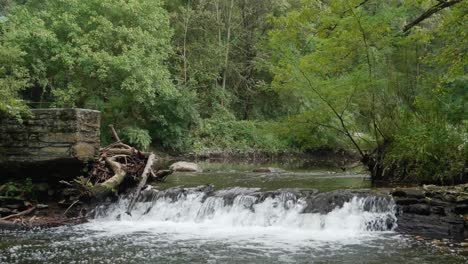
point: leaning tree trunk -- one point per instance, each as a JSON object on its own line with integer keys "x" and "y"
{"x": 144, "y": 178}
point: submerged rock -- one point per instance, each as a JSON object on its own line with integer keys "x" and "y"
{"x": 176, "y": 193}
{"x": 184, "y": 166}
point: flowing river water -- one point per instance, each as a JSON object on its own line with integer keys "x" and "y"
{"x": 244, "y": 219}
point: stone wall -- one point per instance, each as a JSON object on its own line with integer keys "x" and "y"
{"x": 49, "y": 137}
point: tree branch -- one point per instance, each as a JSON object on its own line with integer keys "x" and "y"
{"x": 144, "y": 178}
{"x": 335, "y": 112}
{"x": 114, "y": 134}
{"x": 434, "y": 9}
{"x": 25, "y": 212}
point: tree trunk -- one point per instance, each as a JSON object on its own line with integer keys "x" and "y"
{"x": 228, "y": 42}
{"x": 186, "y": 24}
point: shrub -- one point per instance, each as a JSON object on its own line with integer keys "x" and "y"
{"x": 229, "y": 135}
{"x": 430, "y": 152}
{"x": 137, "y": 137}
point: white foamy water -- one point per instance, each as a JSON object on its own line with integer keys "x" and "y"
{"x": 227, "y": 227}
{"x": 273, "y": 220}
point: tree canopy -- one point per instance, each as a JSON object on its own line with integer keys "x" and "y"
{"x": 374, "y": 77}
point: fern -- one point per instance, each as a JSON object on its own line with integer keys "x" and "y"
{"x": 137, "y": 137}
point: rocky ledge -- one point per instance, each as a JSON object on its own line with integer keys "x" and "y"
{"x": 432, "y": 212}
{"x": 435, "y": 212}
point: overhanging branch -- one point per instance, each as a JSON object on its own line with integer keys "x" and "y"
{"x": 442, "y": 4}
{"x": 335, "y": 112}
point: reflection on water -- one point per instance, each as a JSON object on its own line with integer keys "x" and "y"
{"x": 226, "y": 175}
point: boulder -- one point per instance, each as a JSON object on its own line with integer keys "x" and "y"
{"x": 185, "y": 167}
{"x": 268, "y": 170}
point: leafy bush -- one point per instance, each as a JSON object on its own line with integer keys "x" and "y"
{"x": 18, "y": 189}
{"x": 168, "y": 123}
{"x": 310, "y": 131}
{"x": 430, "y": 151}
{"x": 224, "y": 133}
{"x": 137, "y": 137}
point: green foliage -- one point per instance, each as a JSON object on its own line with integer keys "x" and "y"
{"x": 306, "y": 132}
{"x": 168, "y": 125}
{"x": 137, "y": 137}
{"x": 23, "y": 189}
{"x": 13, "y": 79}
{"x": 356, "y": 75}
{"x": 218, "y": 56}
{"x": 74, "y": 53}
{"x": 267, "y": 75}
{"x": 107, "y": 55}
{"x": 430, "y": 151}
{"x": 225, "y": 134}
{"x": 171, "y": 126}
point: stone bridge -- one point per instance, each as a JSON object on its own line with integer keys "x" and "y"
{"x": 51, "y": 142}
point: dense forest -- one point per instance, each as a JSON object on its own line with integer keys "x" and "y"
{"x": 386, "y": 80}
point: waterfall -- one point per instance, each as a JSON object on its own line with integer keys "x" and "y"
{"x": 287, "y": 209}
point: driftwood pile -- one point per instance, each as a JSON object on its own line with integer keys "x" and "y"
{"x": 118, "y": 167}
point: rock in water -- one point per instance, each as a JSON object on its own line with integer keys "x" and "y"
{"x": 185, "y": 166}
{"x": 268, "y": 170}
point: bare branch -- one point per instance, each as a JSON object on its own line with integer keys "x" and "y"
{"x": 335, "y": 112}
{"x": 144, "y": 178}
{"x": 25, "y": 212}
{"x": 114, "y": 133}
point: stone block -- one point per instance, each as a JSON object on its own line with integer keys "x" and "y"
{"x": 83, "y": 151}
{"x": 51, "y": 134}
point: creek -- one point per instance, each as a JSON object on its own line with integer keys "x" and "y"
{"x": 246, "y": 218}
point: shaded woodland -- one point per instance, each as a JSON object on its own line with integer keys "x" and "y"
{"x": 386, "y": 80}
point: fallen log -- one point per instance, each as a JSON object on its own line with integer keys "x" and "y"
{"x": 132, "y": 151}
{"x": 111, "y": 185}
{"x": 25, "y": 212}
{"x": 144, "y": 178}
{"x": 118, "y": 167}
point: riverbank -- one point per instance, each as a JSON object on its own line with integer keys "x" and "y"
{"x": 50, "y": 214}
{"x": 431, "y": 211}
{"x": 318, "y": 157}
